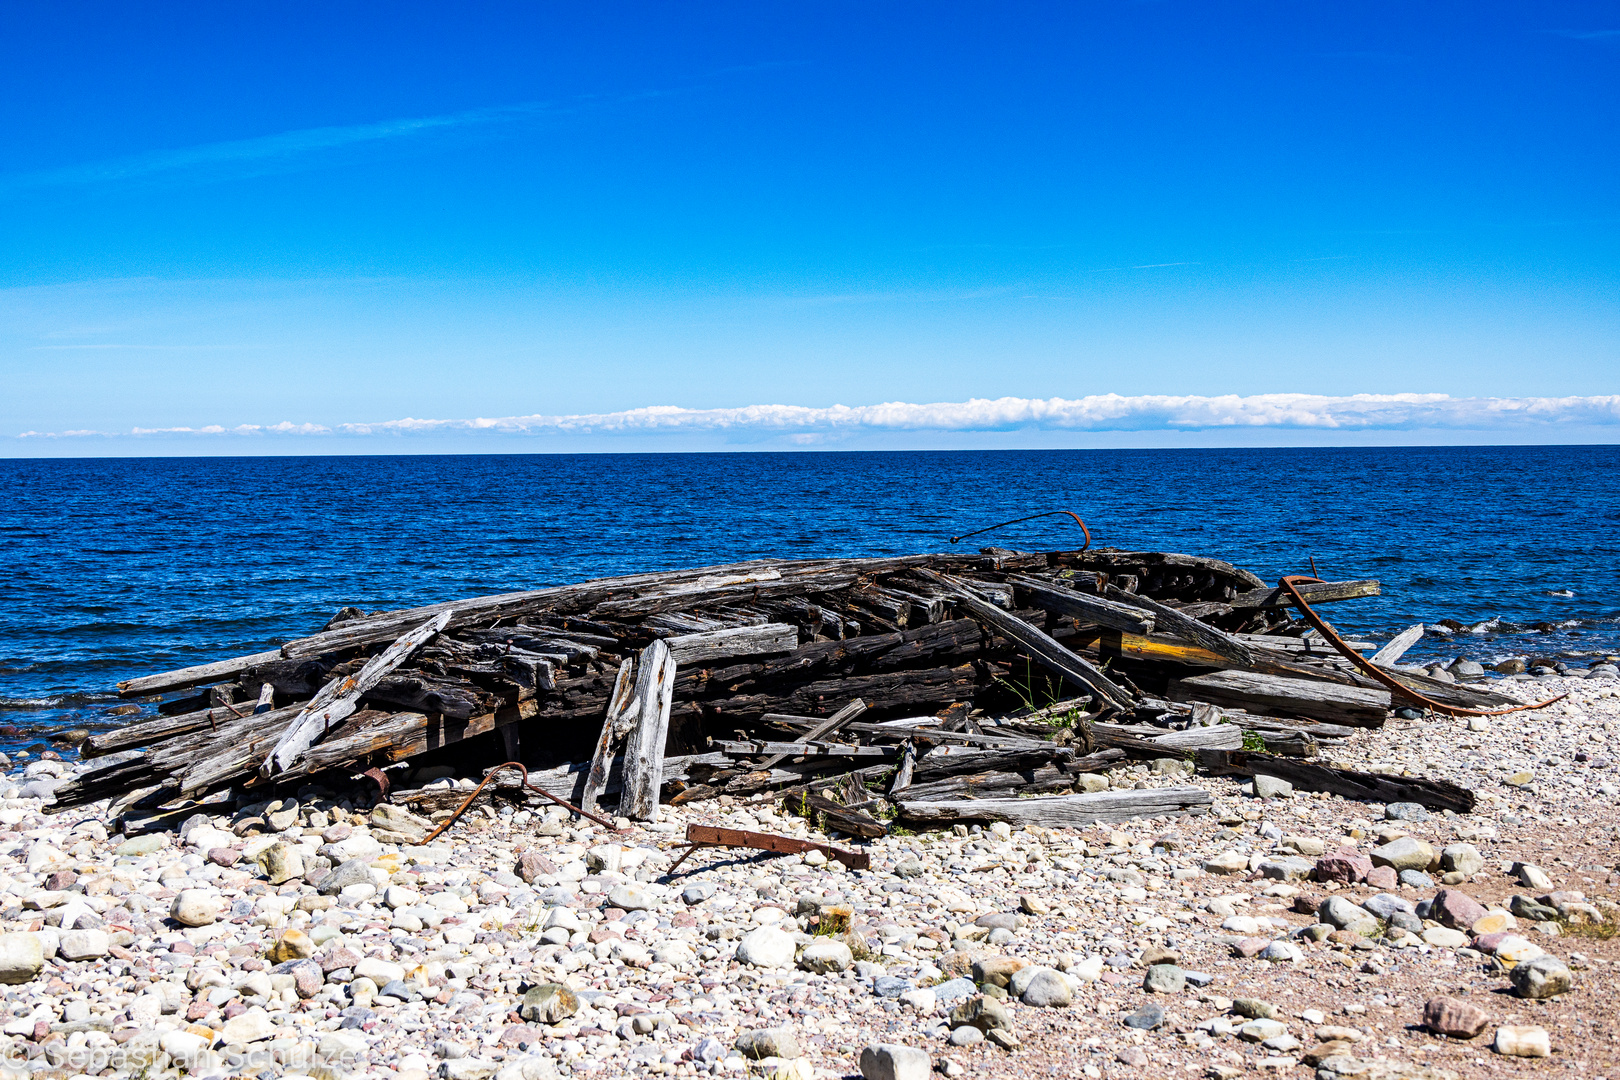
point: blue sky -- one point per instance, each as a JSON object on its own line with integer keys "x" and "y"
{"x": 1236, "y": 218}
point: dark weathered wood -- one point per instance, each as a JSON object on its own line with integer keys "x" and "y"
{"x": 1087, "y": 608}
{"x": 150, "y": 732}
{"x": 1167, "y": 620}
{"x": 1361, "y": 786}
{"x": 341, "y": 696}
{"x": 1323, "y": 593}
{"x": 1043, "y": 649}
{"x": 1064, "y": 811}
{"x": 1355, "y": 706}
{"x": 644, "y": 752}
{"x": 415, "y": 691}
{"x": 845, "y": 820}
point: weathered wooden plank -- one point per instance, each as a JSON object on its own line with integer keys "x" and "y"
{"x": 1167, "y": 620}
{"x": 1397, "y": 646}
{"x": 771, "y": 638}
{"x": 755, "y": 747}
{"x": 1043, "y": 649}
{"x": 200, "y": 675}
{"x": 826, "y": 727}
{"x": 150, "y": 732}
{"x": 1357, "y": 706}
{"x": 644, "y": 752}
{"x": 614, "y": 727}
{"x": 1088, "y": 608}
{"x": 1323, "y": 593}
{"x": 1361, "y": 786}
{"x": 1064, "y": 811}
{"x": 340, "y": 697}
{"x": 1219, "y": 736}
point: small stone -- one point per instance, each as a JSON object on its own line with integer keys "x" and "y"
{"x": 630, "y": 898}
{"x": 1533, "y": 877}
{"x": 996, "y": 970}
{"x": 984, "y": 1013}
{"x": 281, "y": 863}
{"x": 1463, "y": 859}
{"x": 249, "y": 1026}
{"x": 150, "y": 844}
{"x": 195, "y": 907}
{"x": 1493, "y": 922}
{"x": 1287, "y": 869}
{"x": 532, "y": 865}
{"x": 1456, "y": 909}
{"x": 1262, "y": 1029}
{"x": 826, "y": 955}
{"x": 83, "y": 945}
{"x": 548, "y": 1003}
{"x": 22, "y": 957}
{"x": 1454, "y": 1018}
{"x": 1404, "y": 853}
{"x": 1344, "y": 867}
{"x": 766, "y": 947}
{"x": 1444, "y": 937}
{"x": 1164, "y": 979}
{"x": 890, "y": 1061}
{"x": 1415, "y": 879}
{"x": 1270, "y": 787}
{"x": 1227, "y": 863}
{"x": 356, "y": 871}
{"x": 291, "y": 944}
{"x": 1523, "y": 1041}
{"x": 1538, "y": 979}
{"x": 1254, "y": 1009}
{"x": 777, "y": 1042}
{"x": 1146, "y": 1018}
{"x": 1032, "y": 905}
{"x": 1383, "y": 877}
{"x": 966, "y": 1035}
{"x": 1047, "y": 990}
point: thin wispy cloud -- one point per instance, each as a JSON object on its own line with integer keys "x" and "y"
{"x": 1101, "y": 412}
{"x": 267, "y": 150}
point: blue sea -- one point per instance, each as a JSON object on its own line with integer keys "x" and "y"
{"x": 121, "y": 567}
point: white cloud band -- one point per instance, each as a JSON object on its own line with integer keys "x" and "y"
{"x": 1102, "y": 412}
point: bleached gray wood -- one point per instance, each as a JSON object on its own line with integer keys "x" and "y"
{"x": 340, "y": 697}
{"x": 904, "y": 771}
{"x": 1214, "y": 737}
{"x": 750, "y": 748}
{"x": 620, "y": 705}
{"x": 1334, "y": 703}
{"x": 218, "y": 671}
{"x": 267, "y": 698}
{"x": 1322, "y": 593}
{"x": 1064, "y": 811}
{"x": 1392, "y": 652}
{"x": 692, "y": 649}
{"x": 644, "y": 753}
{"x": 823, "y": 729}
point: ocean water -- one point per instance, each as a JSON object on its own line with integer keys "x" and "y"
{"x": 121, "y": 567}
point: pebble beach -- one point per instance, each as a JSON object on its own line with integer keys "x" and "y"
{"x": 1287, "y": 933}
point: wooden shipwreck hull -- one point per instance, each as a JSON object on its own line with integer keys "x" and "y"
{"x": 691, "y": 683}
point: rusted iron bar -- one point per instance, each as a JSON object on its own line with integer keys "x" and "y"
{"x": 699, "y": 836}
{"x": 1291, "y": 583}
{"x": 537, "y": 789}
{"x": 1032, "y": 517}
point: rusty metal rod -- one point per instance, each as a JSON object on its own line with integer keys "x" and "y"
{"x": 1290, "y": 584}
{"x": 1032, "y": 517}
{"x": 564, "y": 803}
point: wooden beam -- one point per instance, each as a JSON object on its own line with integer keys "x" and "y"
{"x": 1086, "y": 607}
{"x": 200, "y": 675}
{"x": 1397, "y": 646}
{"x": 615, "y": 726}
{"x": 1042, "y": 648}
{"x": 1064, "y": 811}
{"x": 825, "y": 728}
{"x": 1326, "y": 592}
{"x": 1361, "y": 786}
{"x": 696, "y": 649}
{"x": 340, "y": 697}
{"x": 644, "y": 753}
{"x": 1167, "y": 620}
{"x": 1357, "y": 706}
